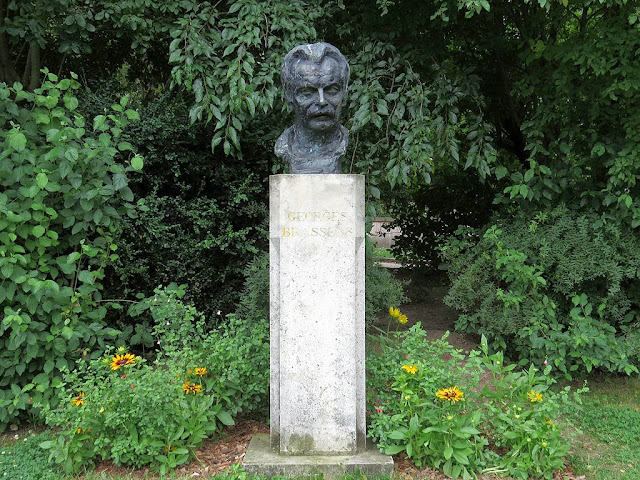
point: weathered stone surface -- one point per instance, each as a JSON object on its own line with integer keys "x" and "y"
{"x": 317, "y": 314}
{"x": 261, "y": 459}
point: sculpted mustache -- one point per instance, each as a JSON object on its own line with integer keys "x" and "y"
{"x": 321, "y": 111}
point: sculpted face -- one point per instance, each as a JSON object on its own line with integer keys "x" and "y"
{"x": 318, "y": 95}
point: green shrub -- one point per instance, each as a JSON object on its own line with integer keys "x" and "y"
{"x": 105, "y": 413}
{"x": 63, "y": 193}
{"x": 559, "y": 286}
{"x": 425, "y": 401}
{"x": 199, "y": 381}
{"x": 236, "y": 353}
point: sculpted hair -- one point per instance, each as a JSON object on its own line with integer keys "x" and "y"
{"x": 313, "y": 52}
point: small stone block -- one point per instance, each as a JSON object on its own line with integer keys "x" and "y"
{"x": 262, "y": 460}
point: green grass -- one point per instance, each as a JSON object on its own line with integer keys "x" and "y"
{"x": 609, "y": 448}
{"x": 22, "y": 459}
{"x": 382, "y": 252}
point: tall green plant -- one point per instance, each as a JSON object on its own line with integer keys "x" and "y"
{"x": 63, "y": 191}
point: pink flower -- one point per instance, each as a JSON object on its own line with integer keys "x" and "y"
{"x": 31, "y": 399}
{"x": 123, "y": 376}
{"x": 545, "y": 362}
{"x": 379, "y": 410}
{"x": 132, "y": 385}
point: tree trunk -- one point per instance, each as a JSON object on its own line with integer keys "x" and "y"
{"x": 8, "y": 72}
{"x": 34, "y": 55}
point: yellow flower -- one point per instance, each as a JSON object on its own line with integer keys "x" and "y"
{"x": 394, "y": 312}
{"x": 534, "y": 396}
{"x": 79, "y": 400}
{"x": 122, "y": 360}
{"x": 412, "y": 369}
{"x": 189, "y": 387}
{"x": 451, "y": 394}
{"x": 101, "y": 410}
{"x": 201, "y": 371}
{"x": 402, "y": 319}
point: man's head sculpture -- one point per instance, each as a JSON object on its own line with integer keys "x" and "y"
{"x": 315, "y": 79}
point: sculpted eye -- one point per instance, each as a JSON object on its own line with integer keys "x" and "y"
{"x": 333, "y": 89}
{"x": 306, "y": 92}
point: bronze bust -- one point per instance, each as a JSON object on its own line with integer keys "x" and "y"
{"x": 315, "y": 78}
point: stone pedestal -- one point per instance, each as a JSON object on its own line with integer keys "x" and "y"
{"x": 317, "y": 314}
{"x": 316, "y": 250}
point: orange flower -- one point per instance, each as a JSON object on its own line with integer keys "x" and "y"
{"x": 189, "y": 387}
{"x": 451, "y": 394}
{"x": 122, "y": 360}
{"x": 79, "y": 400}
{"x": 412, "y": 369}
{"x": 534, "y": 396}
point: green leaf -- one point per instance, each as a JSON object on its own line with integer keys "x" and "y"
{"x": 448, "y": 451}
{"x": 38, "y": 231}
{"x": 528, "y": 175}
{"x": 98, "y": 122}
{"x": 501, "y": 172}
{"x": 393, "y": 449}
{"x": 470, "y": 430}
{"x": 17, "y": 140}
{"x": 42, "y": 180}
{"x": 397, "y": 435}
{"x": 67, "y": 332}
{"x": 598, "y": 149}
{"x": 137, "y": 163}
{"x": 71, "y": 103}
{"x": 86, "y": 276}
{"x": 225, "y": 418}
{"x": 119, "y": 181}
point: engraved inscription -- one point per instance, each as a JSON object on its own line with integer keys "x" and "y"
{"x": 314, "y": 224}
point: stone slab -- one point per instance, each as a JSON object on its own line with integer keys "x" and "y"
{"x": 262, "y": 460}
{"x": 316, "y": 249}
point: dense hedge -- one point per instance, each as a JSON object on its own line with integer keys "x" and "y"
{"x": 205, "y": 214}
{"x": 556, "y": 285}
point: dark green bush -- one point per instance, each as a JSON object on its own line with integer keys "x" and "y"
{"x": 558, "y": 285}
{"x": 206, "y": 213}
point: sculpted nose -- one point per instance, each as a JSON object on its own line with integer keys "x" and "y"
{"x": 321, "y": 99}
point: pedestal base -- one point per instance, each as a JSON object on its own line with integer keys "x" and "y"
{"x": 264, "y": 461}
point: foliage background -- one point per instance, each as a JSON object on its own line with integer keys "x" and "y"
{"x": 535, "y": 101}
